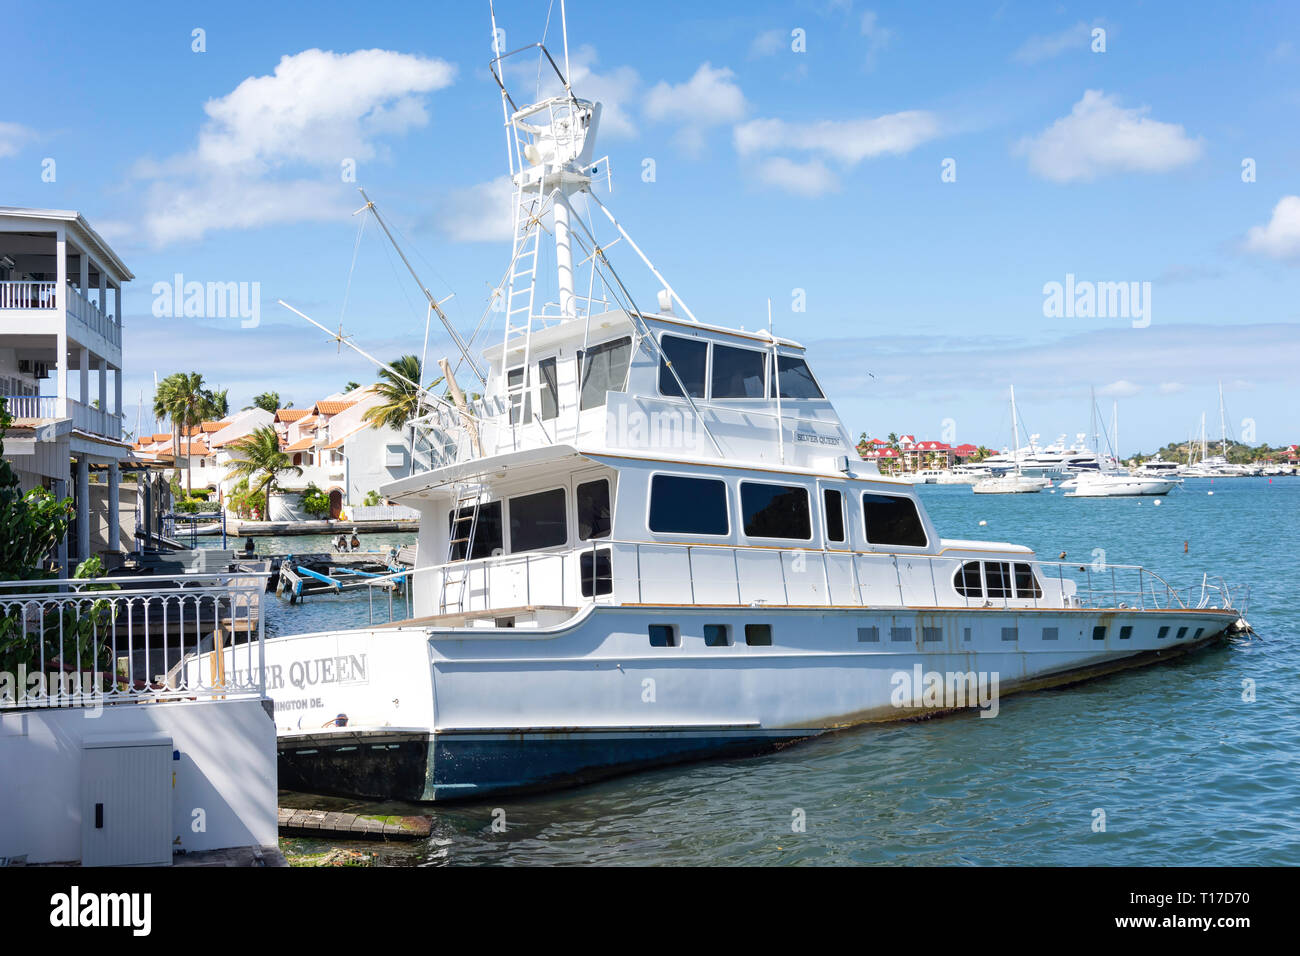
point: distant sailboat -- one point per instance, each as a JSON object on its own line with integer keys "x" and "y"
{"x": 1017, "y": 483}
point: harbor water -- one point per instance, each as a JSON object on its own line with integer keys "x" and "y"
{"x": 1195, "y": 762}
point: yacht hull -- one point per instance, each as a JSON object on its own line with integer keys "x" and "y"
{"x": 1121, "y": 487}
{"x": 503, "y": 714}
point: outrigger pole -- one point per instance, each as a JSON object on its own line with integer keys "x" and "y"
{"x": 342, "y": 339}
{"x": 433, "y": 303}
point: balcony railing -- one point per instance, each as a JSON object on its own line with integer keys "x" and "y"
{"x": 43, "y": 295}
{"x": 28, "y": 295}
{"x": 94, "y": 642}
{"x": 95, "y": 420}
{"x": 86, "y": 312}
{"x": 32, "y": 406}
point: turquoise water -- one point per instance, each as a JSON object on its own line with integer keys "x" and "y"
{"x": 1185, "y": 770}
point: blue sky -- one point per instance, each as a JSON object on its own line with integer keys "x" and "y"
{"x": 775, "y": 171}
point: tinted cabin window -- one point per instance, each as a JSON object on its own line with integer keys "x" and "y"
{"x": 796, "y": 379}
{"x": 486, "y": 530}
{"x": 689, "y": 358}
{"x": 717, "y": 635}
{"x": 1026, "y": 583}
{"x": 663, "y": 635}
{"x": 518, "y": 400}
{"x": 596, "y": 572}
{"x": 593, "y": 509}
{"x": 891, "y": 519}
{"x": 549, "y": 380}
{"x": 834, "y": 504}
{"x": 758, "y": 635}
{"x": 537, "y": 521}
{"x": 967, "y": 580}
{"x": 604, "y": 369}
{"x": 688, "y": 505}
{"x": 998, "y": 576}
{"x": 737, "y": 373}
{"x": 775, "y": 511}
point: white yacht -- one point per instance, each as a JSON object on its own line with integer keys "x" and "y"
{"x": 651, "y": 540}
{"x": 1118, "y": 484}
{"x": 1015, "y": 481}
{"x": 1159, "y": 467}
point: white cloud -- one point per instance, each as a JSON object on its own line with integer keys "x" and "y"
{"x": 177, "y": 212}
{"x": 1172, "y": 388}
{"x": 319, "y": 107}
{"x": 13, "y": 137}
{"x": 271, "y": 150}
{"x": 480, "y": 213}
{"x": 1122, "y": 388}
{"x": 1039, "y": 48}
{"x": 848, "y": 141}
{"x": 805, "y": 179}
{"x": 1280, "y": 238}
{"x": 768, "y": 43}
{"x": 708, "y": 98}
{"x": 1099, "y": 136}
{"x": 878, "y": 37}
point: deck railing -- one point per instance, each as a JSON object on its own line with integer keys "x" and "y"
{"x": 28, "y": 295}
{"x": 633, "y": 572}
{"x": 88, "y": 642}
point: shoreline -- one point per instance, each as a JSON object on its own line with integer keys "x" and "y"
{"x": 241, "y": 528}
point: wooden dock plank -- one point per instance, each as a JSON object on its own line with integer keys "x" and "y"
{"x": 321, "y": 823}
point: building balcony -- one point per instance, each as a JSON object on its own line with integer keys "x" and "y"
{"x": 96, "y": 421}
{"x": 81, "y": 311}
{"x": 85, "y": 418}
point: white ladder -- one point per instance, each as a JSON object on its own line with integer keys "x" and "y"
{"x": 519, "y": 300}
{"x": 455, "y": 575}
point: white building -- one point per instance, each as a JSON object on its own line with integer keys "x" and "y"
{"x": 60, "y": 348}
{"x": 339, "y": 452}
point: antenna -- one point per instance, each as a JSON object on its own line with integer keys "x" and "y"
{"x": 433, "y": 303}
{"x": 776, "y": 384}
{"x": 564, "y": 29}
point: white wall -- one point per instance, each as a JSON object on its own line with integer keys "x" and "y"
{"x": 226, "y": 768}
{"x": 367, "y": 454}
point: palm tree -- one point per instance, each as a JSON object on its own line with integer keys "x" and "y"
{"x": 892, "y": 441}
{"x": 182, "y": 398}
{"x": 220, "y": 403}
{"x": 399, "y": 393}
{"x": 268, "y": 402}
{"x": 260, "y": 457}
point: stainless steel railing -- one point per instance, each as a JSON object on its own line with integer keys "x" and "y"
{"x": 676, "y": 573}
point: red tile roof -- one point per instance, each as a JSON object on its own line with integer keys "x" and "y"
{"x": 332, "y": 407}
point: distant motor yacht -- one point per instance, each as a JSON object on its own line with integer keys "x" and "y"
{"x": 1118, "y": 484}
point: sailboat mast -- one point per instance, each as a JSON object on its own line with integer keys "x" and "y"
{"x": 1015, "y": 431}
{"x": 1223, "y": 423}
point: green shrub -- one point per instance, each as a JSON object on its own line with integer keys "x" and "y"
{"x": 315, "y": 502}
